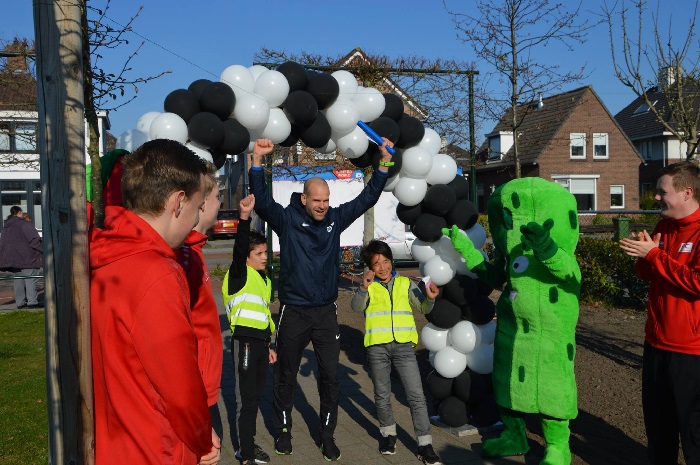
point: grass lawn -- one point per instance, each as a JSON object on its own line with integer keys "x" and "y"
{"x": 23, "y": 411}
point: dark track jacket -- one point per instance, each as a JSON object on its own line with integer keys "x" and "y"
{"x": 309, "y": 249}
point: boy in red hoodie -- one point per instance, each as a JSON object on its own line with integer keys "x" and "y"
{"x": 150, "y": 401}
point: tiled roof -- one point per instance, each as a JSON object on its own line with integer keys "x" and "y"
{"x": 644, "y": 124}
{"x": 18, "y": 91}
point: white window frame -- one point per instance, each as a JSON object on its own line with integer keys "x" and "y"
{"x": 577, "y": 139}
{"x": 495, "y": 155}
{"x": 566, "y": 181}
{"x": 622, "y": 188}
{"x": 597, "y": 138}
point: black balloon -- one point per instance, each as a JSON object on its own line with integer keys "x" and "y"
{"x": 471, "y": 387}
{"x": 363, "y": 161}
{"x": 445, "y": 314}
{"x": 219, "y": 157}
{"x": 460, "y": 289}
{"x": 206, "y": 129}
{"x": 439, "y": 200}
{"x": 428, "y": 227}
{"x": 453, "y": 412}
{"x": 198, "y": 86}
{"x": 461, "y": 386}
{"x": 482, "y": 309}
{"x": 324, "y": 88}
{"x": 301, "y": 108}
{"x": 463, "y": 214}
{"x": 293, "y": 137}
{"x": 408, "y": 215}
{"x": 485, "y": 413}
{"x": 183, "y": 103}
{"x": 393, "y": 106}
{"x": 236, "y": 137}
{"x": 411, "y": 131}
{"x": 461, "y": 187}
{"x": 386, "y": 127}
{"x": 318, "y": 134}
{"x": 295, "y": 74}
{"x": 395, "y": 158}
{"x": 438, "y": 386}
{"x": 218, "y": 98}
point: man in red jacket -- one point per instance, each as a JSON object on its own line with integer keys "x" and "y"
{"x": 150, "y": 401}
{"x": 669, "y": 258}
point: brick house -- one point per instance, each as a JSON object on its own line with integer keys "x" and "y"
{"x": 570, "y": 138}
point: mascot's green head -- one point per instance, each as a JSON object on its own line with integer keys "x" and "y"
{"x": 523, "y": 200}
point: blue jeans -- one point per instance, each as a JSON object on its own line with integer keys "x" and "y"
{"x": 404, "y": 359}
{"x": 25, "y": 288}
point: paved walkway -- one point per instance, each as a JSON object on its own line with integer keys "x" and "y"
{"x": 357, "y": 433}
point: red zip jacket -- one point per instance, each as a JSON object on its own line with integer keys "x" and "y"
{"x": 150, "y": 402}
{"x": 673, "y": 321}
{"x": 205, "y": 313}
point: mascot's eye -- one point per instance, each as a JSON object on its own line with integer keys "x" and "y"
{"x": 520, "y": 264}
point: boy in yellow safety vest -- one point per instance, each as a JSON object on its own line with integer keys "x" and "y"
{"x": 247, "y": 291}
{"x": 390, "y": 336}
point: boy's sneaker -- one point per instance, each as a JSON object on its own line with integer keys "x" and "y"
{"x": 330, "y": 451}
{"x": 259, "y": 454}
{"x": 427, "y": 455}
{"x": 388, "y": 445}
{"x": 283, "y": 443}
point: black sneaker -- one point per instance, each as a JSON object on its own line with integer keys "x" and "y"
{"x": 330, "y": 451}
{"x": 258, "y": 453}
{"x": 427, "y": 455}
{"x": 388, "y": 445}
{"x": 283, "y": 443}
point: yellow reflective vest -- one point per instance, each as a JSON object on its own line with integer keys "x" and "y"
{"x": 388, "y": 317}
{"x": 250, "y": 306}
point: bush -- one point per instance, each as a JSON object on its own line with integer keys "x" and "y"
{"x": 608, "y": 277}
{"x": 484, "y": 221}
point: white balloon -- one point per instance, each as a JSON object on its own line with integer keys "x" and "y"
{"x": 423, "y": 251}
{"x": 447, "y": 250}
{"x": 477, "y": 234}
{"x": 328, "y": 148}
{"x": 480, "y": 359}
{"x": 273, "y": 87}
{"x": 450, "y": 363}
{"x": 168, "y": 126}
{"x": 354, "y": 144}
{"x": 144, "y": 123}
{"x": 278, "y": 126}
{"x": 391, "y": 182}
{"x": 256, "y": 70}
{"x": 462, "y": 269}
{"x": 240, "y": 79}
{"x": 431, "y": 358}
{"x": 488, "y": 332}
{"x": 343, "y": 116}
{"x": 347, "y": 84}
{"x": 433, "y": 338}
{"x": 443, "y": 171}
{"x": 431, "y": 141}
{"x": 416, "y": 162}
{"x": 464, "y": 336}
{"x": 370, "y": 102}
{"x": 440, "y": 270}
{"x": 252, "y": 111}
{"x": 410, "y": 191}
{"x": 200, "y": 151}
{"x": 131, "y": 139}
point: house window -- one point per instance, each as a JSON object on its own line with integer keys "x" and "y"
{"x": 583, "y": 187}
{"x": 643, "y": 108}
{"x": 18, "y": 136}
{"x": 646, "y": 149}
{"x": 494, "y": 148}
{"x": 578, "y": 145}
{"x": 617, "y": 196}
{"x": 600, "y": 145}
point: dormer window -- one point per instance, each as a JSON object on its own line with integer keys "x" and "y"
{"x": 495, "y": 148}
{"x": 499, "y": 144}
{"x": 643, "y": 108}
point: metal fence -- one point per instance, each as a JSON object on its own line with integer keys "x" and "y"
{"x": 615, "y": 224}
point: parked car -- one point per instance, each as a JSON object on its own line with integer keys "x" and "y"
{"x": 402, "y": 250}
{"x": 226, "y": 224}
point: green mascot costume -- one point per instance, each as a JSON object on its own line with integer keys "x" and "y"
{"x": 534, "y": 226}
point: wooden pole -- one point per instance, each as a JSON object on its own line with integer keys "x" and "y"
{"x": 57, "y": 27}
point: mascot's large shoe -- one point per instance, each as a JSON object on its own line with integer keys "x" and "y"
{"x": 556, "y": 437}
{"x": 512, "y": 441}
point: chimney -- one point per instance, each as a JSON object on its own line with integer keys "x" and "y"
{"x": 667, "y": 76}
{"x": 17, "y": 63}
{"x": 540, "y": 104}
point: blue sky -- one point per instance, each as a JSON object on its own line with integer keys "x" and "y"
{"x": 198, "y": 40}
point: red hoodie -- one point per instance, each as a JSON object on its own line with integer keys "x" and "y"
{"x": 205, "y": 313}
{"x": 673, "y": 268}
{"x": 150, "y": 402}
